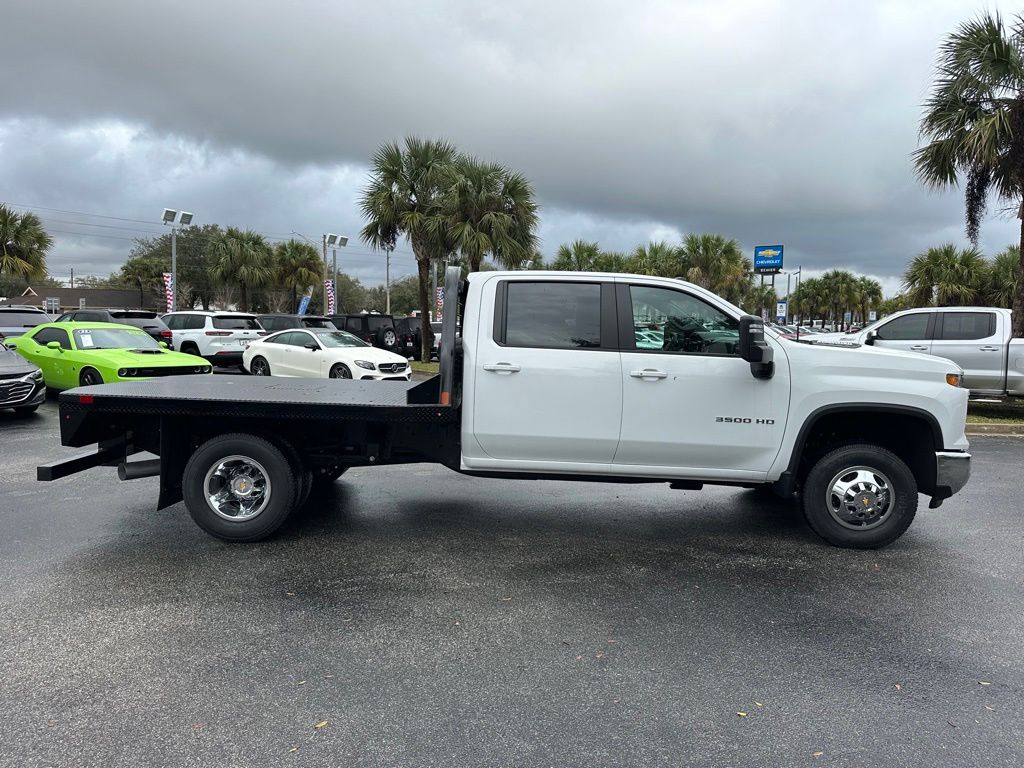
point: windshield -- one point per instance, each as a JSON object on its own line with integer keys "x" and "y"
{"x": 113, "y": 338}
{"x": 340, "y": 339}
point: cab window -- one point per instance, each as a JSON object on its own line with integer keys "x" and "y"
{"x": 967, "y": 326}
{"x": 551, "y": 315}
{"x": 907, "y": 328}
{"x": 666, "y": 320}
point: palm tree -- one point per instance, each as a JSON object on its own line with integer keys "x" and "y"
{"x": 297, "y": 266}
{"x": 716, "y": 263}
{"x": 654, "y": 259}
{"x": 869, "y": 296}
{"x": 841, "y": 288}
{"x": 405, "y": 197}
{"x": 144, "y": 272}
{"x": 974, "y": 124}
{"x": 758, "y": 298}
{"x": 243, "y": 258}
{"x": 945, "y": 276}
{"x": 1003, "y": 277}
{"x": 578, "y": 256}
{"x": 23, "y": 244}
{"x": 491, "y": 211}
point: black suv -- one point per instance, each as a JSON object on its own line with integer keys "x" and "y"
{"x": 16, "y": 319}
{"x": 408, "y": 329}
{"x": 287, "y": 322}
{"x": 140, "y": 318}
{"x": 378, "y": 330}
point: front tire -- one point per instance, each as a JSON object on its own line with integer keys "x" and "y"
{"x": 239, "y": 487}
{"x": 341, "y": 371}
{"x": 89, "y": 377}
{"x": 259, "y": 367}
{"x": 860, "y": 496}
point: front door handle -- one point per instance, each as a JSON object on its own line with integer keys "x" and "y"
{"x": 648, "y": 373}
{"x": 918, "y": 348}
{"x": 502, "y": 367}
{"x": 989, "y": 349}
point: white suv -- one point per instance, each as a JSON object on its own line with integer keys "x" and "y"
{"x": 220, "y": 337}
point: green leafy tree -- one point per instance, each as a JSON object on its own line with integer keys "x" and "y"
{"x": 146, "y": 273}
{"x": 578, "y": 256}
{"x": 24, "y": 244}
{"x": 974, "y": 126}
{"x": 946, "y": 276}
{"x": 405, "y": 198}
{"x": 869, "y": 296}
{"x": 194, "y": 247}
{"x": 1003, "y": 278}
{"x": 244, "y": 259}
{"x": 654, "y": 259}
{"x": 717, "y": 263}
{"x": 491, "y": 212}
{"x": 759, "y": 298}
{"x": 297, "y": 266}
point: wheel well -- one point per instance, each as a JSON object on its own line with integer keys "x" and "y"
{"x": 189, "y": 345}
{"x": 82, "y": 372}
{"x": 911, "y": 436}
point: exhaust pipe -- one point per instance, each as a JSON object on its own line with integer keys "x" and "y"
{"x": 133, "y": 470}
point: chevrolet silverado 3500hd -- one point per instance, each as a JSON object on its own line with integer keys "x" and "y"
{"x": 551, "y": 380}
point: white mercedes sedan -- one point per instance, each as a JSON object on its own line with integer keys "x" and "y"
{"x": 317, "y": 353}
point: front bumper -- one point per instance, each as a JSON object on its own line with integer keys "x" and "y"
{"x": 19, "y": 393}
{"x": 952, "y": 471}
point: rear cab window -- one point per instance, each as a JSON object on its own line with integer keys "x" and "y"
{"x": 966, "y": 326}
{"x": 550, "y": 315}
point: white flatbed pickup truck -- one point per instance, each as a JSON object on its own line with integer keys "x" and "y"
{"x": 552, "y": 379}
{"x": 978, "y": 339}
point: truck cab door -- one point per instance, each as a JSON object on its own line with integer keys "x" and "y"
{"x": 690, "y": 404}
{"x": 974, "y": 341}
{"x": 546, "y": 388}
{"x": 911, "y": 332}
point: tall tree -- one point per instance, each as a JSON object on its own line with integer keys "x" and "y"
{"x": 241, "y": 258}
{"x": 869, "y": 296}
{"x": 491, "y": 212}
{"x": 578, "y": 256}
{"x": 1003, "y": 278}
{"x": 717, "y": 263}
{"x": 405, "y": 198}
{"x": 946, "y": 276}
{"x": 23, "y": 244}
{"x": 297, "y": 266}
{"x": 974, "y": 125}
{"x": 658, "y": 258}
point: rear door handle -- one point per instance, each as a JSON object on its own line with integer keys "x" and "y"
{"x": 648, "y": 373}
{"x": 989, "y": 349}
{"x": 502, "y": 367}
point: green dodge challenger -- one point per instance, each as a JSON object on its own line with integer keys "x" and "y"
{"x": 74, "y": 354}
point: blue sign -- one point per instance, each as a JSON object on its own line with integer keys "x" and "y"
{"x": 768, "y": 259}
{"x": 781, "y": 310}
{"x": 304, "y": 305}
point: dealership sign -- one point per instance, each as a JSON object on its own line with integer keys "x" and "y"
{"x": 768, "y": 259}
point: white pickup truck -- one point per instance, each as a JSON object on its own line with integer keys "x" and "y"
{"x": 978, "y": 339}
{"x": 551, "y": 380}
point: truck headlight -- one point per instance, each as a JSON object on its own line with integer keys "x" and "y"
{"x": 366, "y": 364}
{"x": 954, "y": 379}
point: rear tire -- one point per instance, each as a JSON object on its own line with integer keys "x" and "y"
{"x": 239, "y": 487}
{"x": 860, "y": 496}
{"x": 189, "y": 348}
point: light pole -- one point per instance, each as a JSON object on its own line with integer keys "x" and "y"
{"x": 387, "y": 281}
{"x": 335, "y": 241}
{"x": 174, "y": 220}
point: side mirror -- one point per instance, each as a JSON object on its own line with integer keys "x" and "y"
{"x": 53, "y": 345}
{"x": 870, "y": 337}
{"x": 312, "y": 346}
{"x": 163, "y": 344}
{"x": 754, "y": 349}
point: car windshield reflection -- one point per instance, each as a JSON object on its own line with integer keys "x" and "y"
{"x": 340, "y": 339}
{"x": 113, "y": 338}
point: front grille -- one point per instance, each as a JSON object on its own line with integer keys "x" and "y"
{"x": 16, "y": 392}
{"x": 153, "y": 373}
{"x": 391, "y": 367}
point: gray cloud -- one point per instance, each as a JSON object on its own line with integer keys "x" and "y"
{"x": 785, "y": 122}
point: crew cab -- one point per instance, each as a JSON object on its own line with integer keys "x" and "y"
{"x": 978, "y": 339}
{"x": 548, "y": 382}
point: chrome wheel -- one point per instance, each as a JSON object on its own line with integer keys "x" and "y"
{"x": 859, "y": 498}
{"x": 237, "y": 488}
{"x": 390, "y": 339}
{"x": 341, "y": 372}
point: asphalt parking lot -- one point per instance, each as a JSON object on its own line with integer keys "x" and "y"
{"x": 421, "y": 618}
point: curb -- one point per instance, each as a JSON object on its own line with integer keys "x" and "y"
{"x": 995, "y": 430}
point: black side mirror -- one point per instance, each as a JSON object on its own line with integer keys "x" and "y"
{"x": 869, "y": 338}
{"x": 311, "y": 345}
{"x": 754, "y": 349}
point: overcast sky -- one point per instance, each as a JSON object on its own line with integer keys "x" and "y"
{"x": 771, "y": 122}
